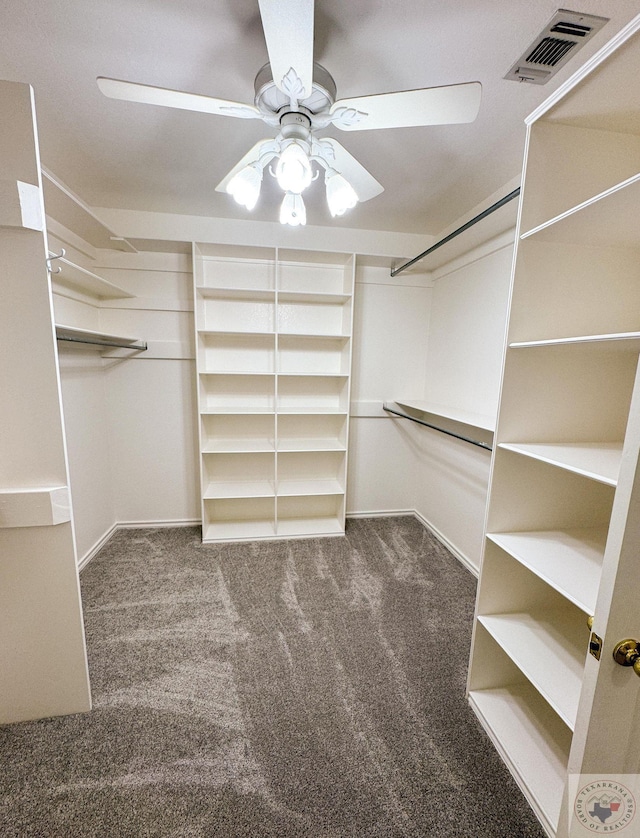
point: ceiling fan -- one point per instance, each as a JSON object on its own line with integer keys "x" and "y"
{"x": 298, "y": 97}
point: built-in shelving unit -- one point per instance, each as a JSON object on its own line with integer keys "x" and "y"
{"x": 65, "y": 274}
{"x": 273, "y": 363}
{"x": 559, "y": 495}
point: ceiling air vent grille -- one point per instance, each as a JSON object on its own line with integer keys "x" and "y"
{"x": 559, "y": 41}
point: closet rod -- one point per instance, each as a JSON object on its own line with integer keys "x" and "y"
{"x": 477, "y": 442}
{"x": 474, "y": 220}
{"x": 139, "y": 346}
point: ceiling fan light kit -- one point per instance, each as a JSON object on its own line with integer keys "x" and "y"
{"x": 297, "y": 96}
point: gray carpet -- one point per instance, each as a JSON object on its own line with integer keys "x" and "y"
{"x": 298, "y": 688}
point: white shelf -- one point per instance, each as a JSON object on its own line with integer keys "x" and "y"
{"x": 533, "y": 742}
{"x": 239, "y": 489}
{"x": 301, "y": 444}
{"x": 242, "y": 530}
{"x": 312, "y": 297}
{"x": 467, "y": 417}
{"x": 34, "y": 507}
{"x": 608, "y": 219}
{"x": 623, "y": 341}
{"x": 597, "y": 461}
{"x": 299, "y": 488}
{"x": 97, "y": 340}
{"x": 68, "y": 209}
{"x": 306, "y": 527}
{"x": 238, "y": 446}
{"x": 549, "y": 649}
{"x": 256, "y": 294}
{"x": 238, "y": 332}
{"x": 236, "y": 410}
{"x": 80, "y": 279}
{"x": 569, "y": 561}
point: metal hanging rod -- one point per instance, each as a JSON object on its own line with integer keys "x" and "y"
{"x": 474, "y": 220}
{"x": 477, "y": 442}
{"x": 139, "y": 346}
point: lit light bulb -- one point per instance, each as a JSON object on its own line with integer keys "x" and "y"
{"x": 245, "y": 185}
{"x": 341, "y": 196}
{"x": 292, "y": 211}
{"x": 293, "y": 170}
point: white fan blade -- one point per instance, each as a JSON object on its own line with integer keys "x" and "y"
{"x": 250, "y": 157}
{"x": 288, "y": 31}
{"x": 408, "y": 108}
{"x": 364, "y": 183}
{"x": 149, "y": 95}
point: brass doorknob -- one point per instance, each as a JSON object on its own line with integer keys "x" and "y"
{"x": 627, "y": 653}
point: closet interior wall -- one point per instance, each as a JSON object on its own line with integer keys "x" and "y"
{"x": 129, "y": 415}
{"x": 464, "y": 358}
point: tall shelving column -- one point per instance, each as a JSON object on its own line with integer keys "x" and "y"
{"x": 568, "y": 415}
{"x": 42, "y": 650}
{"x": 314, "y": 325}
{"x": 235, "y": 334}
{"x": 273, "y": 359}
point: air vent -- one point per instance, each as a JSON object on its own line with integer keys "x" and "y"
{"x": 559, "y": 41}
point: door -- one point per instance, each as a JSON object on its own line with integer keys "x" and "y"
{"x": 603, "y": 789}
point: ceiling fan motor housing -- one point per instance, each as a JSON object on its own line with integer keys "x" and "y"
{"x": 270, "y": 98}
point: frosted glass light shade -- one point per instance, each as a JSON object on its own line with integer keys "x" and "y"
{"x": 293, "y": 211}
{"x": 245, "y": 185}
{"x": 341, "y": 196}
{"x": 293, "y": 170}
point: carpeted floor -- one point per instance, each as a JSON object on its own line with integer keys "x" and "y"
{"x": 298, "y": 688}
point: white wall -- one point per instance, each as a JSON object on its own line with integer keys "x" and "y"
{"x": 391, "y": 323}
{"x": 463, "y": 370}
{"x": 151, "y": 398}
{"x": 84, "y": 400}
{"x": 130, "y": 417}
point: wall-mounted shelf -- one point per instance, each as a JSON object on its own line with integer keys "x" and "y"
{"x": 467, "y": 417}
{"x": 35, "y": 507}
{"x": 76, "y": 278}
{"x": 66, "y": 208}
{"x": 473, "y": 428}
{"x": 99, "y": 340}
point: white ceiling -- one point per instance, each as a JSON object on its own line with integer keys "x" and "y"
{"x": 125, "y": 155}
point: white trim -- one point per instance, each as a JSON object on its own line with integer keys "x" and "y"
{"x": 84, "y": 561}
{"x": 132, "y": 525}
{"x": 464, "y": 560}
{"x": 590, "y": 65}
{"x": 387, "y": 513}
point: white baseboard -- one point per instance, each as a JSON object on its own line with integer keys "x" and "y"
{"x": 464, "y": 560}
{"x": 139, "y": 525}
{"x": 84, "y": 561}
{"x": 132, "y": 525}
{"x": 387, "y": 513}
